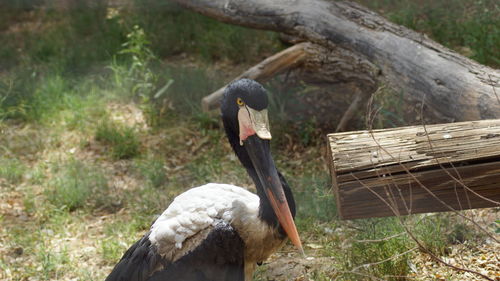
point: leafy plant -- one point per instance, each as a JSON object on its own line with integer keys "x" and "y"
{"x": 142, "y": 78}
{"x": 138, "y": 77}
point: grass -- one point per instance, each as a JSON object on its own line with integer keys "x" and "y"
{"x": 121, "y": 140}
{"x": 152, "y": 170}
{"x": 84, "y": 185}
{"x": 470, "y": 27}
{"x": 316, "y": 202}
{"x": 51, "y": 263}
{"x": 385, "y": 239}
{"x": 75, "y": 37}
{"x": 111, "y": 248}
{"x": 186, "y": 151}
{"x": 76, "y": 185}
{"x": 174, "y": 33}
{"x": 365, "y": 253}
{"x": 11, "y": 170}
{"x": 26, "y": 97}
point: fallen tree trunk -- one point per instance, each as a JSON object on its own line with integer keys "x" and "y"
{"x": 417, "y": 169}
{"x": 455, "y": 88}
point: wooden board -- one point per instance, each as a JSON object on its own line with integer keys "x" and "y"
{"x": 412, "y": 170}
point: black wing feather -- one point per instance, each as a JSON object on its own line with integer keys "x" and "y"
{"x": 138, "y": 262}
{"x": 218, "y": 258}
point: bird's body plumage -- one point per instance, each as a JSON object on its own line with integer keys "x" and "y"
{"x": 187, "y": 223}
{"x": 219, "y": 257}
{"x": 194, "y": 213}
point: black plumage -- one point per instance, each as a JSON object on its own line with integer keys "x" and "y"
{"x": 138, "y": 262}
{"x": 218, "y": 258}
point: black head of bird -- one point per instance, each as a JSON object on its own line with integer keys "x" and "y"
{"x": 244, "y": 109}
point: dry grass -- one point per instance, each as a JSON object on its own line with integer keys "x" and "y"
{"x": 43, "y": 241}
{"x": 44, "y": 237}
{"x": 56, "y": 142}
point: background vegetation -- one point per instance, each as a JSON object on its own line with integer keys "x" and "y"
{"x": 101, "y": 127}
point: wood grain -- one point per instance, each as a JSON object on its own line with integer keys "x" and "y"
{"x": 414, "y": 168}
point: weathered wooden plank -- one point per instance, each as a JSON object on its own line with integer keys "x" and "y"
{"x": 415, "y": 168}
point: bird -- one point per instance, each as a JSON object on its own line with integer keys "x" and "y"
{"x": 221, "y": 232}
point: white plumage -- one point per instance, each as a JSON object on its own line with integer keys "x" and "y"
{"x": 199, "y": 208}
{"x": 190, "y": 217}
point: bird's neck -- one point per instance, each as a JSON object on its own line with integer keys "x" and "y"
{"x": 266, "y": 212}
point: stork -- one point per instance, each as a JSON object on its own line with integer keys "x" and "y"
{"x": 220, "y": 232}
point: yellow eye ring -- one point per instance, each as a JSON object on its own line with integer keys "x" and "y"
{"x": 240, "y": 102}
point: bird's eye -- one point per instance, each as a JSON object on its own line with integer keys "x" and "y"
{"x": 240, "y": 102}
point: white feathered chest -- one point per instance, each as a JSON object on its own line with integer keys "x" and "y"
{"x": 191, "y": 216}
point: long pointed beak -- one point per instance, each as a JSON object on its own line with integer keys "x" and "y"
{"x": 258, "y": 150}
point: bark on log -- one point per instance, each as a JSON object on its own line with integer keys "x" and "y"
{"x": 453, "y": 161}
{"x": 455, "y": 88}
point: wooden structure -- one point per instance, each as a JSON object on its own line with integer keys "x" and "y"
{"x": 417, "y": 169}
